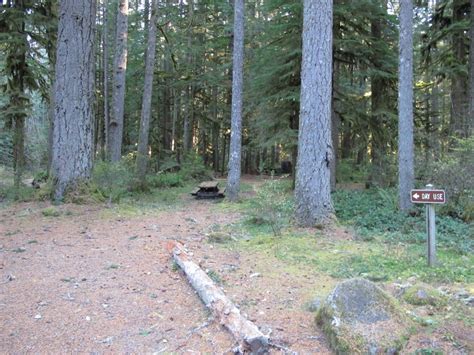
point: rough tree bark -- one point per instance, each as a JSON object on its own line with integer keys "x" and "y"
{"x": 234, "y": 167}
{"x": 406, "y": 174}
{"x": 118, "y": 92}
{"x": 73, "y": 95}
{"x": 142, "y": 156}
{"x": 313, "y": 190}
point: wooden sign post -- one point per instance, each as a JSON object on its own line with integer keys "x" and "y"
{"x": 430, "y": 197}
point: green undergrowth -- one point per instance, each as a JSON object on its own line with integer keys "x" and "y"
{"x": 149, "y": 202}
{"x": 342, "y": 259}
{"x": 386, "y": 244}
{"x": 374, "y": 214}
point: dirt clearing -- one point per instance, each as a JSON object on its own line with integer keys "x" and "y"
{"x": 94, "y": 280}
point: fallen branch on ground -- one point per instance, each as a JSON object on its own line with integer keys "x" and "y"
{"x": 247, "y": 334}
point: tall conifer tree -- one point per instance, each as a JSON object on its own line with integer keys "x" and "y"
{"x": 73, "y": 95}
{"x": 406, "y": 174}
{"x": 233, "y": 180}
{"x": 313, "y": 190}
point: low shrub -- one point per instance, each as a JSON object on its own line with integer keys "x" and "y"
{"x": 374, "y": 213}
{"x": 272, "y": 206}
{"x": 161, "y": 180}
{"x": 454, "y": 174}
{"x": 192, "y": 167}
{"x": 111, "y": 181}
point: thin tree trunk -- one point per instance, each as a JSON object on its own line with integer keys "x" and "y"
{"x": 166, "y": 105}
{"x": 176, "y": 103}
{"x": 120, "y": 67}
{"x": 377, "y": 118}
{"x": 142, "y": 156}
{"x": 233, "y": 179}
{"x": 188, "y": 115}
{"x": 51, "y": 34}
{"x": 315, "y": 152}
{"x": 224, "y": 152}
{"x": 435, "y": 139}
{"x": 459, "y": 82}
{"x": 73, "y": 95}
{"x": 470, "y": 123}
{"x": 406, "y": 174}
{"x": 105, "y": 44}
{"x": 18, "y": 150}
{"x": 215, "y": 130}
{"x": 335, "y": 123}
{"x": 17, "y": 98}
{"x": 146, "y": 14}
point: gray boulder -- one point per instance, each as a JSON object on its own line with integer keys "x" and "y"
{"x": 359, "y": 317}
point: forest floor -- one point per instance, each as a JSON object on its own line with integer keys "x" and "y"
{"x": 98, "y": 279}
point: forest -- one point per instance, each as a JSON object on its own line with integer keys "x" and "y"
{"x": 315, "y": 118}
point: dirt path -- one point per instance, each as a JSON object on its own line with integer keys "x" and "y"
{"x": 94, "y": 281}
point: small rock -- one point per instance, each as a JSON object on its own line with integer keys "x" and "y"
{"x": 462, "y": 293}
{"x": 88, "y": 318}
{"x": 420, "y": 295}
{"x": 38, "y": 316}
{"x": 469, "y": 301}
{"x": 315, "y": 305}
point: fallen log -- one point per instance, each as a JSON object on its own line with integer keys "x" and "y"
{"x": 247, "y": 334}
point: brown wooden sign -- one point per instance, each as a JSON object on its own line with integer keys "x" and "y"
{"x": 428, "y": 196}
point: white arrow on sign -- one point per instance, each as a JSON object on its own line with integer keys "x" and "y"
{"x": 416, "y": 196}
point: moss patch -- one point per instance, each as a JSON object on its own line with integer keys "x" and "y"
{"x": 421, "y": 295}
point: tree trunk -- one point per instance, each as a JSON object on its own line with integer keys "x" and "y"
{"x": 459, "y": 82}
{"x": 118, "y": 95}
{"x": 215, "y": 130}
{"x": 146, "y": 15}
{"x": 18, "y": 102}
{"x": 434, "y": 136}
{"x": 234, "y": 167}
{"x": 188, "y": 115}
{"x": 73, "y": 95}
{"x": 51, "y": 34}
{"x": 313, "y": 190}
{"x": 18, "y": 151}
{"x": 166, "y": 104}
{"x": 142, "y": 156}
{"x": 406, "y": 174}
{"x": 378, "y": 118}
{"x": 335, "y": 123}
{"x": 105, "y": 44}
{"x": 470, "y": 123}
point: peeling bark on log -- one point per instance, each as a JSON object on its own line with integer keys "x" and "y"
{"x": 250, "y": 338}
